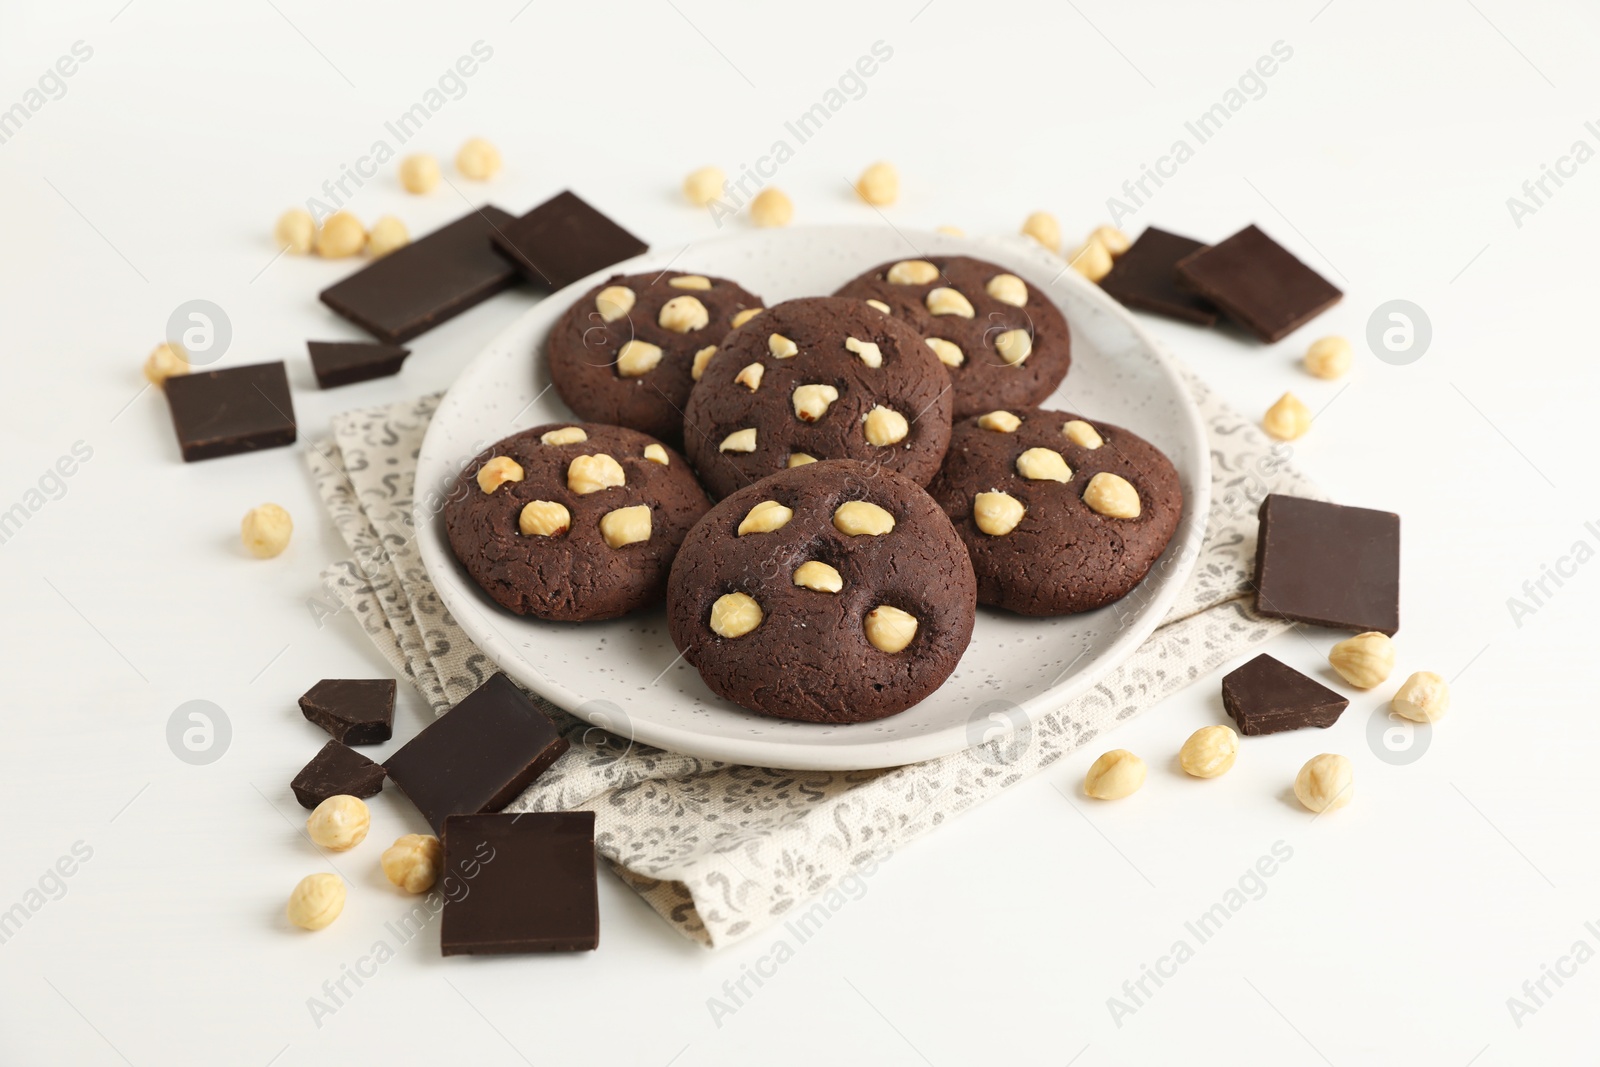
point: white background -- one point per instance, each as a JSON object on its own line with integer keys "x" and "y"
{"x": 1383, "y": 152}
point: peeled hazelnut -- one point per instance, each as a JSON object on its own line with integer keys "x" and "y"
{"x": 701, "y": 358}
{"x": 818, "y": 577}
{"x": 412, "y": 862}
{"x": 316, "y": 901}
{"x": 339, "y": 823}
{"x": 704, "y": 185}
{"x": 765, "y": 517}
{"x": 946, "y": 301}
{"x": 657, "y": 454}
{"x": 1008, "y": 289}
{"x": 1091, "y": 260}
{"x": 1329, "y": 357}
{"x": 1043, "y": 227}
{"x": 885, "y": 426}
{"x": 745, "y": 316}
{"x": 856, "y": 518}
{"x": 637, "y": 358}
{"x": 497, "y": 472}
{"x": 1325, "y": 783}
{"x": 1014, "y": 346}
{"x": 781, "y": 347}
{"x": 544, "y": 518}
{"x": 566, "y": 435}
{"x": 811, "y": 401}
{"x": 590, "y": 474}
{"x": 750, "y": 376}
{"x": 419, "y": 173}
{"x": 879, "y": 305}
{"x": 771, "y": 208}
{"x": 1111, "y": 239}
{"x": 912, "y": 272}
{"x": 1287, "y": 419}
{"x": 478, "y": 160}
{"x": 614, "y": 301}
{"x": 690, "y": 281}
{"x": 626, "y": 526}
{"x": 1424, "y": 697}
{"x": 735, "y": 614}
{"x": 165, "y": 361}
{"x": 1113, "y": 496}
{"x": 949, "y": 352}
{"x": 1209, "y": 752}
{"x": 341, "y": 235}
{"x": 1116, "y": 774}
{"x": 1081, "y": 434}
{"x": 1043, "y": 464}
{"x": 265, "y": 530}
{"x": 386, "y": 235}
{"x": 739, "y": 441}
{"x": 683, "y": 314}
{"x": 1365, "y": 660}
{"x": 869, "y": 352}
{"x": 879, "y": 184}
{"x": 296, "y": 231}
{"x": 1000, "y": 422}
{"x": 997, "y": 514}
{"x": 889, "y": 629}
{"x": 800, "y": 459}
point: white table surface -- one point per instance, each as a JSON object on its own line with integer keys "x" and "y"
{"x": 1383, "y": 151}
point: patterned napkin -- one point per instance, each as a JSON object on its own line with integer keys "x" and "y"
{"x": 724, "y": 851}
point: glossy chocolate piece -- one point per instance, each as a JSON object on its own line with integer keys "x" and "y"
{"x": 519, "y": 883}
{"x": 357, "y": 711}
{"x": 564, "y": 239}
{"x": 1260, "y": 284}
{"x": 336, "y": 770}
{"x": 1266, "y": 697}
{"x": 1328, "y": 564}
{"x": 339, "y": 363}
{"x": 225, "y": 412}
{"x": 1145, "y": 278}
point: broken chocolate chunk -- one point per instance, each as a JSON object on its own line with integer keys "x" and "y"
{"x": 334, "y": 771}
{"x": 357, "y": 711}
{"x": 1266, "y": 697}
{"x": 347, "y": 362}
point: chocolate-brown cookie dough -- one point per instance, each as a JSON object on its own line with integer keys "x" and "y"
{"x": 834, "y": 592}
{"x": 818, "y": 378}
{"x": 573, "y": 521}
{"x": 1061, "y": 514}
{"x": 969, "y": 308}
{"x": 624, "y": 352}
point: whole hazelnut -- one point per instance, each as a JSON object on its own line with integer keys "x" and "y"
{"x": 1209, "y": 752}
{"x": 1043, "y": 227}
{"x": 296, "y": 231}
{"x": 1364, "y": 660}
{"x": 771, "y": 207}
{"x": 341, "y": 235}
{"x": 1325, "y": 783}
{"x": 704, "y": 185}
{"x": 339, "y": 823}
{"x": 166, "y": 360}
{"x": 316, "y": 901}
{"x": 879, "y": 184}
{"x": 386, "y": 235}
{"x": 265, "y": 530}
{"x": 1424, "y": 697}
{"x": 419, "y": 173}
{"x": 1116, "y": 774}
{"x": 412, "y": 862}
{"x": 478, "y": 160}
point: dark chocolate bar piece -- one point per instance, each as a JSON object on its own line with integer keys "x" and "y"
{"x": 1145, "y": 278}
{"x": 347, "y": 362}
{"x": 1265, "y": 697}
{"x": 1262, "y": 285}
{"x": 224, "y": 412}
{"x": 479, "y": 755}
{"x": 357, "y": 711}
{"x": 1328, "y": 564}
{"x": 519, "y": 883}
{"x": 432, "y": 280}
{"x": 564, "y": 239}
{"x": 334, "y": 771}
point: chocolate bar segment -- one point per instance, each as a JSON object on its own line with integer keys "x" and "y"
{"x": 1328, "y": 564}
{"x": 432, "y": 280}
{"x": 564, "y": 239}
{"x": 1145, "y": 278}
{"x": 225, "y": 412}
{"x": 1266, "y": 696}
{"x": 519, "y": 883}
{"x": 357, "y": 711}
{"x": 1260, "y": 284}
{"x": 336, "y": 770}
{"x": 339, "y": 363}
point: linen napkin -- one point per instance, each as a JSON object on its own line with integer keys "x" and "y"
{"x": 723, "y": 851}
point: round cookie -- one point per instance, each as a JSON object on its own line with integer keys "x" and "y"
{"x": 573, "y": 522}
{"x": 799, "y": 619}
{"x": 605, "y": 379}
{"x": 818, "y": 378}
{"x": 1048, "y": 514}
{"x": 989, "y": 366}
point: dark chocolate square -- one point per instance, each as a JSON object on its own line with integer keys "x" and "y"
{"x": 347, "y": 362}
{"x": 1328, "y": 564}
{"x": 336, "y": 770}
{"x": 1145, "y": 278}
{"x": 1260, "y": 284}
{"x": 357, "y": 711}
{"x": 564, "y": 239}
{"x": 479, "y": 755}
{"x": 225, "y": 412}
{"x": 432, "y": 280}
{"x": 519, "y": 883}
{"x": 1265, "y": 697}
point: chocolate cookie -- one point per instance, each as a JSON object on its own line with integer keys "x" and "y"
{"x": 833, "y": 592}
{"x": 1005, "y": 344}
{"x": 819, "y": 378}
{"x": 573, "y": 521}
{"x": 1060, "y": 514}
{"x": 623, "y": 354}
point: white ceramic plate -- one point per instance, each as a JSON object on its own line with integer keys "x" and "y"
{"x": 626, "y": 676}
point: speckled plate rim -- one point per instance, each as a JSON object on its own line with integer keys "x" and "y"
{"x": 511, "y": 371}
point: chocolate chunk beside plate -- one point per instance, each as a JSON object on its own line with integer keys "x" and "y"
{"x": 1265, "y": 697}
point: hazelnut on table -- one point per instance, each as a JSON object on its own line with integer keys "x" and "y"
{"x": 1116, "y": 774}
{"x": 704, "y": 185}
{"x": 419, "y": 173}
{"x": 165, "y": 361}
{"x": 316, "y": 901}
{"x": 265, "y": 530}
{"x": 1325, "y": 783}
{"x": 478, "y": 160}
{"x": 771, "y": 207}
{"x": 341, "y": 235}
{"x": 386, "y": 235}
{"x": 879, "y": 184}
{"x": 1043, "y": 227}
{"x": 412, "y": 862}
{"x": 296, "y": 231}
{"x": 339, "y": 823}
